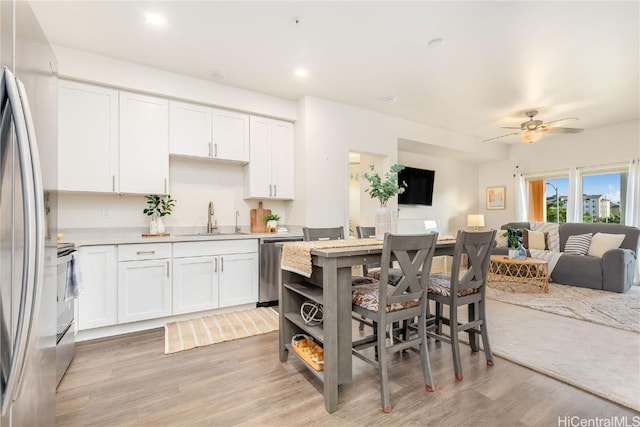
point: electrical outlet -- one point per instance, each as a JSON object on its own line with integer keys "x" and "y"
{"x": 105, "y": 212}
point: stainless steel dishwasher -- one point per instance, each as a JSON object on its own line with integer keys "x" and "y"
{"x": 270, "y": 268}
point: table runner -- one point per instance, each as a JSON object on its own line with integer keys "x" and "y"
{"x": 296, "y": 256}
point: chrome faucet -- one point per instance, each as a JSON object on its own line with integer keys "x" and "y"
{"x": 211, "y": 227}
{"x": 237, "y": 229}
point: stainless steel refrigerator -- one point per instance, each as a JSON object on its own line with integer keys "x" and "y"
{"x": 28, "y": 256}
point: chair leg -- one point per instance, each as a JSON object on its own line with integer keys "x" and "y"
{"x": 424, "y": 355}
{"x": 382, "y": 367}
{"x": 361, "y": 326}
{"x": 455, "y": 345}
{"x": 473, "y": 336}
{"x": 485, "y": 334}
{"x": 438, "y": 318}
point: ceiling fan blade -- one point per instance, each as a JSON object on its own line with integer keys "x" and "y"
{"x": 510, "y": 127}
{"x": 564, "y": 130}
{"x": 501, "y": 136}
{"x": 562, "y": 120}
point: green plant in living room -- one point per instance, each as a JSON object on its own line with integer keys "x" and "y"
{"x": 384, "y": 189}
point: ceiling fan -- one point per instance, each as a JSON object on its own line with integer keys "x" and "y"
{"x": 532, "y": 130}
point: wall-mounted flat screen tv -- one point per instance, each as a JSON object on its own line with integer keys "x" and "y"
{"x": 419, "y": 190}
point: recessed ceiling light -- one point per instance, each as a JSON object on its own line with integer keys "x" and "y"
{"x": 155, "y": 19}
{"x": 436, "y": 43}
{"x": 300, "y": 72}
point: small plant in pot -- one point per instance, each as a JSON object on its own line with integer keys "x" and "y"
{"x": 157, "y": 207}
{"x": 272, "y": 221}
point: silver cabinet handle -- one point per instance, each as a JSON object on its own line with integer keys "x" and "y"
{"x": 275, "y": 190}
{"x": 215, "y": 152}
{"x": 215, "y": 265}
{"x": 221, "y": 264}
{"x": 167, "y": 268}
{"x": 270, "y": 190}
{"x": 165, "y": 185}
{"x": 210, "y": 150}
{"x": 113, "y": 182}
{"x": 145, "y": 252}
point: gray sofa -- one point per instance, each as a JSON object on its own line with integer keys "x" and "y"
{"x": 613, "y": 272}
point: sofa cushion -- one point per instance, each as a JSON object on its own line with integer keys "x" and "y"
{"x": 501, "y": 240}
{"x": 553, "y": 236}
{"x": 578, "y": 244}
{"x": 602, "y": 242}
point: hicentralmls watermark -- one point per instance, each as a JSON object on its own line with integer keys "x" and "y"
{"x": 613, "y": 421}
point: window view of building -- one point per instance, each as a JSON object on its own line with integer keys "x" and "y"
{"x": 603, "y": 197}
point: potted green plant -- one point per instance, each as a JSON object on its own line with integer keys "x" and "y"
{"x": 383, "y": 189}
{"x": 272, "y": 220}
{"x": 157, "y": 207}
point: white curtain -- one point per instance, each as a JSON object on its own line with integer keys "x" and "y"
{"x": 632, "y": 203}
{"x": 522, "y": 213}
{"x": 574, "y": 204}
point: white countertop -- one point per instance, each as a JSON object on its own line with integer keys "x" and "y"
{"x": 120, "y": 236}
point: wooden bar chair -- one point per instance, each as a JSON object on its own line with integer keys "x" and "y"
{"x": 463, "y": 287}
{"x": 400, "y": 304}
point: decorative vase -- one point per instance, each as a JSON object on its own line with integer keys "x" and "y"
{"x": 153, "y": 225}
{"x": 522, "y": 252}
{"x": 160, "y": 225}
{"x": 382, "y": 222}
{"x": 272, "y": 225}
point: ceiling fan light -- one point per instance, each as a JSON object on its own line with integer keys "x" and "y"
{"x": 530, "y": 137}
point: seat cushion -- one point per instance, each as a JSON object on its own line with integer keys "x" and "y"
{"x": 395, "y": 274}
{"x": 440, "y": 284}
{"x": 366, "y": 296}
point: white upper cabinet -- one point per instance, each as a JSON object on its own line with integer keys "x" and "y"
{"x": 144, "y": 144}
{"x": 200, "y": 131}
{"x": 88, "y": 137}
{"x": 270, "y": 172}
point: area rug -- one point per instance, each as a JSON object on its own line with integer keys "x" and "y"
{"x": 620, "y": 311}
{"x": 596, "y": 358}
{"x": 188, "y": 334}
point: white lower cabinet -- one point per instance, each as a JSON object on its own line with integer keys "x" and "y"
{"x": 98, "y": 300}
{"x": 238, "y": 279}
{"x": 144, "y": 281}
{"x": 195, "y": 284}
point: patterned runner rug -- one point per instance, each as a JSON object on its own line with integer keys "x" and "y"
{"x": 188, "y": 334}
{"x": 621, "y": 311}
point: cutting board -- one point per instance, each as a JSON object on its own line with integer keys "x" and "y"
{"x": 257, "y": 219}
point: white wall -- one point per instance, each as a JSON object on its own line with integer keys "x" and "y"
{"x": 593, "y": 147}
{"x": 330, "y": 131}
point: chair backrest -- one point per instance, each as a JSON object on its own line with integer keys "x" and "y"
{"x": 365, "y": 232}
{"x": 413, "y": 253}
{"x": 477, "y": 248}
{"x": 331, "y": 233}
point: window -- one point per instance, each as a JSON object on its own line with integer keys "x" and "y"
{"x": 548, "y": 197}
{"x": 603, "y": 195}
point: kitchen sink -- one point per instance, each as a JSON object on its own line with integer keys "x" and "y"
{"x": 215, "y": 233}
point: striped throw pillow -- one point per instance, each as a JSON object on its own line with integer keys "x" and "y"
{"x": 578, "y": 244}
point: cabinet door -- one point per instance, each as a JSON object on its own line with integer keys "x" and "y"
{"x": 282, "y": 161}
{"x": 238, "y": 279}
{"x": 144, "y": 144}
{"x": 88, "y": 137}
{"x": 230, "y": 135}
{"x": 190, "y": 129}
{"x": 257, "y": 174}
{"x": 195, "y": 284}
{"x": 98, "y": 301}
{"x": 144, "y": 290}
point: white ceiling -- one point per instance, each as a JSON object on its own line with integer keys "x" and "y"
{"x": 565, "y": 59}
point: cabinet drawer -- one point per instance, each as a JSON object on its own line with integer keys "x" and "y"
{"x": 144, "y": 251}
{"x": 221, "y": 247}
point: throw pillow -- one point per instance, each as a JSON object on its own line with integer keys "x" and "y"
{"x": 501, "y": 240}
{"x": 578, "y": 244}
{"x": 535, "y": 240}
{"x": 602, "y": 242}
{"x": 553, "y": 237}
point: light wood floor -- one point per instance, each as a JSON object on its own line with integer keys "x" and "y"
{"x": 128, "y": 380}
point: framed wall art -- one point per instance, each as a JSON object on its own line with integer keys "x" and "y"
{"x": 496, "y": 197}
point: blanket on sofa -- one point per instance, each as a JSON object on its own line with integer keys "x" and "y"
{"x": 549, "y": 256}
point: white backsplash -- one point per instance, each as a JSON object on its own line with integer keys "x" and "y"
{"x": 193, "y": 184}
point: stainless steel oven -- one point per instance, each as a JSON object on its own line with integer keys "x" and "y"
{"x": 65, "y": 308}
